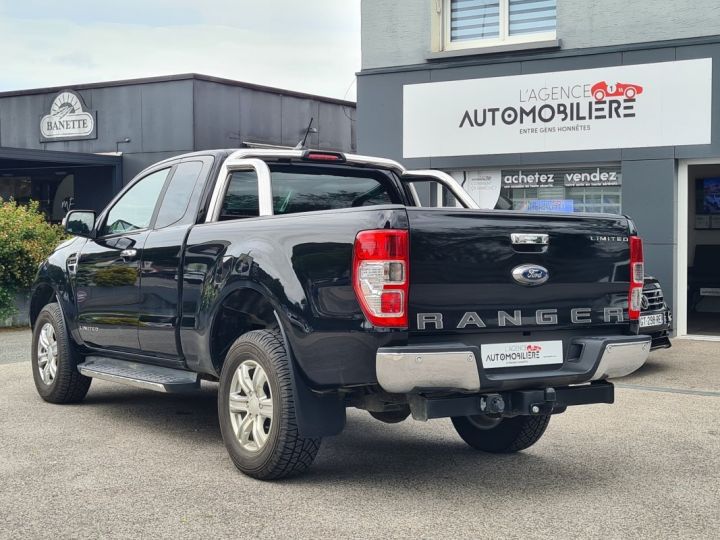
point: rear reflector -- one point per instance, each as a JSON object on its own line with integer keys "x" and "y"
{"x": 380, "y": 276}
{"x": 637, "y": 278}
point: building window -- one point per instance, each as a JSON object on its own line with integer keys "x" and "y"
{"x": 561, "y": 189}
{"x": 484, "y": 23}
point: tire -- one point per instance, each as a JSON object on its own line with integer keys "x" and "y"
{"x": 266, "y": 448}
{"x": 599, "y": 95}
{"x": 391, "y": 417}
{"x": 630, "y": 93}
{"x": 54, "y": 359}
{"x": 507, "y": 436}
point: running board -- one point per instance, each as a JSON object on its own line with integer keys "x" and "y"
{"x": 158, "y": 378}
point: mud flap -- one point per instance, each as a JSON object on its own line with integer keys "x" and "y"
{"x": 317, "y": 415}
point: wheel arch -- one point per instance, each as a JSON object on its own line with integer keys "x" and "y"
{"x": 42, "y": 295}
{"x": 240, "y": 311}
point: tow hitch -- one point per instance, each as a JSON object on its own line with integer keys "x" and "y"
{"x": 512, "y": 403}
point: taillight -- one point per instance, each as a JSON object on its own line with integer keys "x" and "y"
{"x": 637, "y": 278}
{"x": 380, "y": 276}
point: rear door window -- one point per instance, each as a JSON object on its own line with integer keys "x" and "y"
{"x": 241, "y": 198}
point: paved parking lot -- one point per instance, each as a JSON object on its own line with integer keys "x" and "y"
{"x": 132, "y": 463}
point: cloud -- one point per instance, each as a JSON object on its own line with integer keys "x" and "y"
{"x": 307, "y": 46}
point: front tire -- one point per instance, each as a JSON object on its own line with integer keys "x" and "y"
{"x": 501, "y": 436}
{"x": 54, "y": 359}
{"x": 256, "y": 408}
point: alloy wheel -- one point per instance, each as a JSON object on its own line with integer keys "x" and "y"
{"x": 251, "y": 406}
{"x": 47, "y": 353}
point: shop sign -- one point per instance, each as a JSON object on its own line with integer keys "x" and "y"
{"x": 580, "y": 177}
{"x": 644, "y": 105}
{"x": 68, "y": 119}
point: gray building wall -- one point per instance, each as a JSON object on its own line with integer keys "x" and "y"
{"x": 225, "y": 116}
{"x": 397, "y": 33}
{"x": 649, "y": 191}
{"x": 167, "y": 116}
{"x": 156, "y": 117}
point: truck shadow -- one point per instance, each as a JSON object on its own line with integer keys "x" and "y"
{"x": 367, "y": 452}
{"x": 191, "y": 416}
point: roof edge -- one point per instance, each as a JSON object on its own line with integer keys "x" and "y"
{"x": 178, "y": 77}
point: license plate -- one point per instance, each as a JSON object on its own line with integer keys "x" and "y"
{"x": 652, "y": 320}
{"x": 528, "y": 353}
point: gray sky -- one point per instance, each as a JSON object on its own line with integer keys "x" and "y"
{"x": 311, "y": 46}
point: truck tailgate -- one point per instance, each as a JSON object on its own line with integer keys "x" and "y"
{"x": 462, "y": 263}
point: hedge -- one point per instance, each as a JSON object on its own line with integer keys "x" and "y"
{"x": 26, "y": 238}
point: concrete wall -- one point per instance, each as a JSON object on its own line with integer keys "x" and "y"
{"x": 396, "y": 33}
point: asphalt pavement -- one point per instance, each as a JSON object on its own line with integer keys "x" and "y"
{"x": 14, "y": 345}
{"x": 129, "y": 463}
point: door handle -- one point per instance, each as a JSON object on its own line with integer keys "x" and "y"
{"x": 128, "y": 253}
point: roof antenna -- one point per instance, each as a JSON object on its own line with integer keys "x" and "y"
{"x": 308, "y": 131}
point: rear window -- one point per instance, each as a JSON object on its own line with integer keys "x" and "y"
{"x": 300, "y": 189}
{"x": 306, "y": 189}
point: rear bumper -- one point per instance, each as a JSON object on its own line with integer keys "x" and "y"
{"x": 458, "y": 367}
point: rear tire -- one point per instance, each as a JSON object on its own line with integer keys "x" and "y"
{"x": 54, "y": 359}
{"x": 256, "y": 408}
{"x": 504, "y": 437}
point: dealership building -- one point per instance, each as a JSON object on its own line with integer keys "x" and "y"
{"x": 81, "y": 144}
{"x": 563, "y": 105}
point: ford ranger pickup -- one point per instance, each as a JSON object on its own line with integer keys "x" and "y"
{"x": 306, "y": 282}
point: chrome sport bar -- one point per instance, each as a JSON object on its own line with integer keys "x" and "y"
{"x": 252, "y": 159}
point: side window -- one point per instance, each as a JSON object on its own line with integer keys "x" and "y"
{"x": 241, "y": 198}
{"x": 135, "y": 209}
{"x": 177, "y": 195}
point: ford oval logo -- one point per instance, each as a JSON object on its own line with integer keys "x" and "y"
{"x": 530, "y": 274}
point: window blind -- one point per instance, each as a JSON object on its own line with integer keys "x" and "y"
{"x": 474, "y": 19}
{"x": 481, "y": 19}
{"x": 531, "y": 16}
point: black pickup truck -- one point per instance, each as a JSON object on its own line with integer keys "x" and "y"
{"x": 306, "y": 282}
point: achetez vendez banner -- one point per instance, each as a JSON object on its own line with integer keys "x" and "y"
{"x": 662, "y": 104}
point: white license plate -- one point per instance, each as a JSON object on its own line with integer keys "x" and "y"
{"x": 528, "y": 353}
{"x": 652, "y": 320}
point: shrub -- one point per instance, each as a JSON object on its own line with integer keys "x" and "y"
{"x": 26, "y": 238}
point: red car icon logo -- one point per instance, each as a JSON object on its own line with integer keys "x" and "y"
{"x": 534, "y": 348}
{"x": 602, "y": 90}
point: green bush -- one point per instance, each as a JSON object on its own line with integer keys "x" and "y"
{"x": 26, "y": 238}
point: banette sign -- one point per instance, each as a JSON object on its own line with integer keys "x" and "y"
{"x": 661, "y": 104}
{"x": 68, "y": 119}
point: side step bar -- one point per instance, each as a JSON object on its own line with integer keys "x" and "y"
{"x": 158, "y": 378}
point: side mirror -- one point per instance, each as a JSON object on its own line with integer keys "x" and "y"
{"x": 80, "y": 223}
